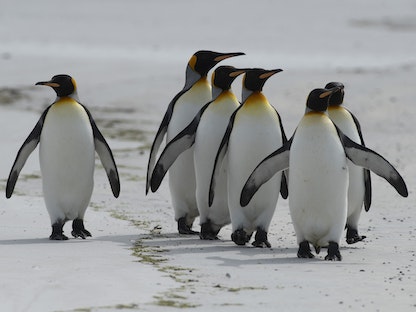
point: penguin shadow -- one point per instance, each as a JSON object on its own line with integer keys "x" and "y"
{"x": 224, "y": 251}
{"x": 26, "y": 241}
{"x": 127, "y": 240}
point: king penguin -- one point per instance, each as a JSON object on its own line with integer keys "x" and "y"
{"x": 180, "y": 112}
{"x": 359, "y": 186}
{"x": 316, "y": 156}
{"x": 205, "y": 133}
{"x": 68, "y": 137}
{"x": 254, "y": 130}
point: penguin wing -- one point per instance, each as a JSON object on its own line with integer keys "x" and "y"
{"x": 106, "y": 156}
{"x": 284, "y": 190}
{"x": 369, "y": 159}
{"x": 222, "y": 150}
{"x": 276, "y": 161}
{"x": 160, "y": 135}
{"x": 180, "y": 143}
{"x": 367, "y": 177}
{"x": 25, "y": 150}
{"x": 367, "y": 187}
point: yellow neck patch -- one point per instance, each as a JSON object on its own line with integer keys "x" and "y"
{"x": 192, "y": 62}
{"x": 255, "y": 98}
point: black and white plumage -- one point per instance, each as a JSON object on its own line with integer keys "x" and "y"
{"x": 68, "y": 138}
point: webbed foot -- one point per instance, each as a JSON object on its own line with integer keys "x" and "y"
{"x": 353, "y": 237}
{"x": 78, "y": 229}
{"x": 239, "y": 237}
{"x": 333, "y": 252}
{"x": 207, "y": 232}
{"x": 57, "y": 231}
{"x": 184, "y": 228}
{"x": 304, "y": 250}
{"x": 260, "y": 240}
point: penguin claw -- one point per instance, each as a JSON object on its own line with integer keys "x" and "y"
{"x": 57, "y": 231}
{"x": 260, "y": 244}
{"x": 57, "y": 236}
{"x": 305, "y": 250}
{"x": 261, "y": 240}
{"x": 353, "y": 237}
{"x": 333, "y": 252}
{"x": 184, "y": 228}
{"x": 81, "y": 233}
{"x": 207, "y": 233}
{"x": 239, "y": 237}
{"x": 78, "y": 229}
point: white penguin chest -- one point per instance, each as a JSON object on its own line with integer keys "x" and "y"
{"x": 344, "y": 121}
{"x": 187, "y": 106}
{"x": 67, "y": 144}
{"x": 318, "y": 165}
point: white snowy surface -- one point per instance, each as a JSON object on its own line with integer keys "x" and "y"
{"x": 129, "y": 59}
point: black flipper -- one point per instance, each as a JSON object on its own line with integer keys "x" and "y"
{"x": 367, "y": 177}
{"x": 275, "y": 162}
{"x": 106, "y": 156}
{"x": 369, "y": 159}
{"x": 160, "y": 135}
{"x": 222, "y": 150}
{"x": 180, "y": 143}
{"x": 284, "y": 190}
{"x": 25, "y": 150}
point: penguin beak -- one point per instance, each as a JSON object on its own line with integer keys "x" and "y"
{"x": 48, "y": 83}
{"x": 270, "y": 73}
{"x": 238, "y": 72}
{"x": 329, "y": 92}
{"x": 224, "y": 56}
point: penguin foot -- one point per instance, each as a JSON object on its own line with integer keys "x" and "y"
{"x": 353, "y": 237}
{"x": 207, "y": 231}
{"x": 333, "y": 252}
{"x": 78, "y": 229}
{"x": 260, "y": 240}
{"x": 57, "y": 231}
{"x": 240, "y": 237}
{"x": 304, "y": 250}
{"x": 184, "y": 228}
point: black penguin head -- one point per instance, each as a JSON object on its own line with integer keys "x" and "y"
{"x": 318, "y": 99}
{"x": 202, "y": 61}
{"x": 255, "y": 78}
{"x": 64, "y": 85}
{"x": 224, "y": 76}
{"x": 337, "y": 98}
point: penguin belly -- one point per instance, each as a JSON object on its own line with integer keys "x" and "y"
{"x": 356, "y": 189}
{"x": 182, "y": 173}
{"x": 318, "y": 182}
{"x": 256, "y": 134}
{"x": 67, "y": 159}
{"x": 210, "y": 132}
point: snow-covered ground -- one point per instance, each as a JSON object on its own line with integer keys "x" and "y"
{"x": 129, "y": 59}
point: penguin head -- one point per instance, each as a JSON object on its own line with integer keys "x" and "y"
{"x": 254, "y": 80}
{"x": 201, "y": 62}
{"x": 64, "y": 85}
{"x": 337, "y": 98}
{"x": 318, "y": 99}
{"x": 223, "y": 77}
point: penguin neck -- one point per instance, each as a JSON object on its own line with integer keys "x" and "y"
{"x": 73, "y": 95}
{"x": 311, "y": 111}
{"x": 216, "y": 92}
{"x": 192, "y": 77}
{"x": 245, "y": 93}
